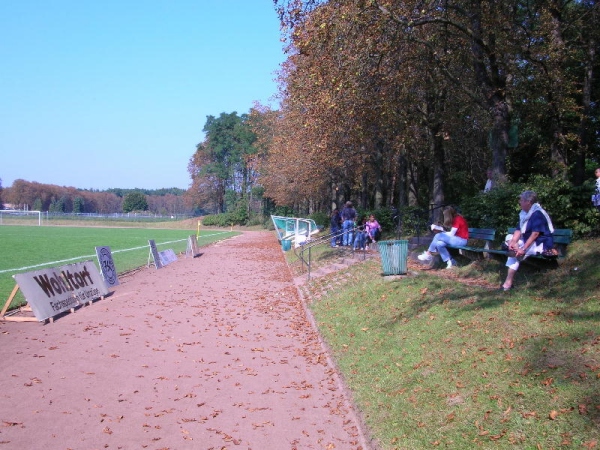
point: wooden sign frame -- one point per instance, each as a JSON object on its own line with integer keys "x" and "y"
{"x": 13, "y": 318}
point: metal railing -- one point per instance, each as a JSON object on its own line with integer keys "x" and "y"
{"x": 304, "y": 251}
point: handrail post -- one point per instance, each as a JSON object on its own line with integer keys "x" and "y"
{"x": 309, "y": 261}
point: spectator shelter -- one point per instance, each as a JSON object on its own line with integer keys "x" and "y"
{"x": 293, "y": 230}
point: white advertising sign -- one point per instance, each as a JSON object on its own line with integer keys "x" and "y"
{"x": 167, "y": 256}
{"x": 54, "y": 290}
{"x": 192, "y": 247}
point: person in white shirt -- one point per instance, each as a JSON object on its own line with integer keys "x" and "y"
{"x": 489, "y": 183}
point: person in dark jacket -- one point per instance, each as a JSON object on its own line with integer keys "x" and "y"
{"x": 348, "y": 218}
{"x": 336, "y": 227}
{"x": 533, "y": 235}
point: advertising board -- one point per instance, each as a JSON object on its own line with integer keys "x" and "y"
{"x": 54, "y": 290}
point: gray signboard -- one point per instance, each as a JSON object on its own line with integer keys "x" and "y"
{"x": 54, "y": 290}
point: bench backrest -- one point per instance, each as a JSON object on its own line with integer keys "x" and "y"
{"x": 562, "y": 236}
{"x": 486, "y": 234}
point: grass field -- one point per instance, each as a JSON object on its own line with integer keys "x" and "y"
{"x": 444, "y": 360}
{"x": 28, "y": 248}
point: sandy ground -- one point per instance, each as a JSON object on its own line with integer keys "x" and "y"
{"x": 212, "y": 352}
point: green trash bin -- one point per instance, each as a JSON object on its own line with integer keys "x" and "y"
{"x": 286, "y": 245}
{"x": 394, "y": 256}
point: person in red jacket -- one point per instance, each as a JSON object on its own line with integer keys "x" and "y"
{"x": 458, "y": 235}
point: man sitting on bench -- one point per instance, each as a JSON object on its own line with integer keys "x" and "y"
{"x": 533, "y": 235}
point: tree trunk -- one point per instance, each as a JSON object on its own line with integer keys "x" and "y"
{"x": 437, "y": 149}
{"x": 585, "y": 136}
{"x": 378, "y": 174}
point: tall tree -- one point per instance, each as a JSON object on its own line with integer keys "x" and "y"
{"x": 135, "y": 201}
{"x": 220, "y": 161}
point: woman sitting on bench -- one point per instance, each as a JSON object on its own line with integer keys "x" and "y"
{"x": 533, "y": 235}
{"x": 458, "y": 235}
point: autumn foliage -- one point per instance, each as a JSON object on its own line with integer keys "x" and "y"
{"x": 395, "y": 103}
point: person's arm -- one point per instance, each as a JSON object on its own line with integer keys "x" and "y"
{"x": 454, "y": 227}
{"x": 529, "y": 243}
{"x": 514, "y": 242}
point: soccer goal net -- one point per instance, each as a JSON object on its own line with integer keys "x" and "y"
{"x": 18, "y": 217}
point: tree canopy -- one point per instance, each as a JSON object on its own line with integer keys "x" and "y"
{"x": 395, "y": 103}
{"x": 219, "y": 169}
{"x": 135, "y": 201}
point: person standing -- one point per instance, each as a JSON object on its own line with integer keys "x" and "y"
{"x": 348, "y": 218}
{"x": 336, "y": 227}
{"x": 489, "y": 184}
{"x": 458, "y": 235}
{"x": 533, "y": 235}
{"x": 596, "y": 196}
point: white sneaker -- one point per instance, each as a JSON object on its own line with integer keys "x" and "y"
{"x": 425, "y": 256}
{"x": 450, "y": 264}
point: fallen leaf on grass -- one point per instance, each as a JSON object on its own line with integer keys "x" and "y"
{"x": 553, "y": 415}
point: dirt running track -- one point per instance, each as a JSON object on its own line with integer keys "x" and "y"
{"x": 214, "y": 352}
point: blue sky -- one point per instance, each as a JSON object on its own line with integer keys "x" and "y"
{"x": 115, "y": 94}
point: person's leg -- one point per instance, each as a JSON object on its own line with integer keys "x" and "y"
{"x": 426, "y": 255}
{"x": 345, "y": 232}
{"x": 513, "y": 265}
{"x": 441, "y": 246}
{"x": 434, "y": 243}
{"x": 334, "y": 232}
{"x": 449, "y": 240}
{"x": 510, "y": 276}
{"x": 359, "y": 241}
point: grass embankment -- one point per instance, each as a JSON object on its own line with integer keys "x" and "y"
{"x": 440, "y": 359}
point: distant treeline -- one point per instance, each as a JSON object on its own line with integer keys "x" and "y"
{"x": 31, "y": 195}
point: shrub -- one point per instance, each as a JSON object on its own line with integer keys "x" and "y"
{"x": 321, "y": 219}
{"x": 568, "y": 206}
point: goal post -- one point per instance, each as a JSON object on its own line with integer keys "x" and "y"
{"x": 19, "y": 217}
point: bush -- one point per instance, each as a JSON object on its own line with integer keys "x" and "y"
{"x": 384, "y": 216}
{"x": 217, "y": 220}
{"x": 568, "y": 206}
{"x": 321, "y": 219}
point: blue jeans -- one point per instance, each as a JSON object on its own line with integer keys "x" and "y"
{"x": 334, "y": 235}
{"x": 348, "y": 237}
{"x": 359, "y": 240}
{"x": 440, "y": 240}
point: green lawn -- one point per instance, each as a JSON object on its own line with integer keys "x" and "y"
{"x": 28, "y": 248}
{"x": 450, "y": 362}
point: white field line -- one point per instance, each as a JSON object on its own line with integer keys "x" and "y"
{"x": 51, "y": 263}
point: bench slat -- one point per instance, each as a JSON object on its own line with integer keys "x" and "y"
{"x": 561, "y": 236}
